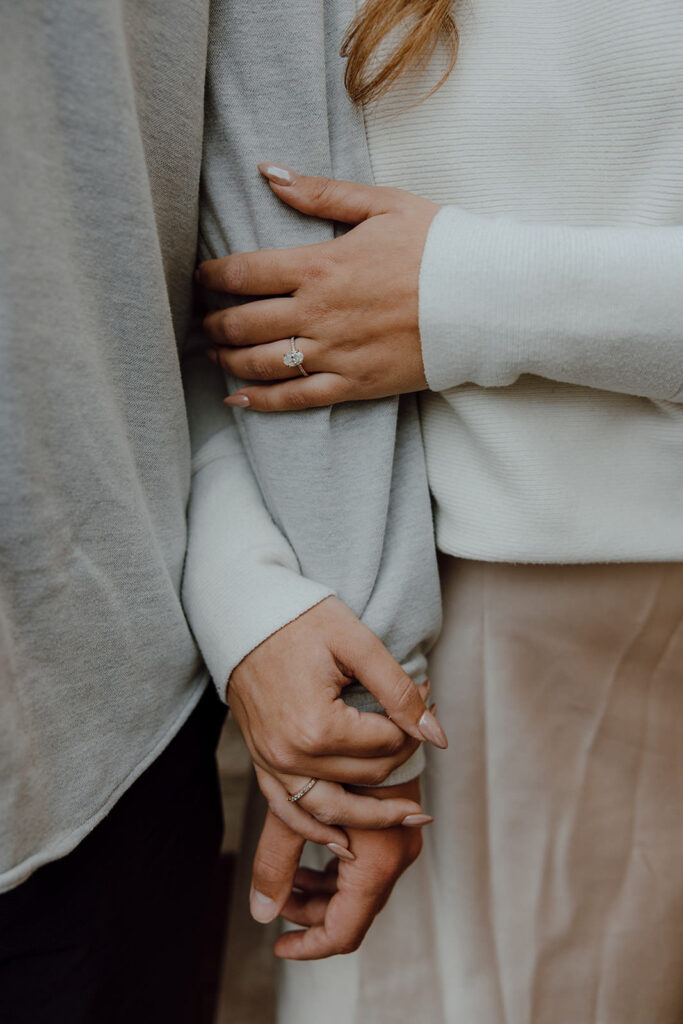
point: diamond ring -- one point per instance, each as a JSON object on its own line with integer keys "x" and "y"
{"x": 294, "y": 358}
{"x": 302, "y": 792}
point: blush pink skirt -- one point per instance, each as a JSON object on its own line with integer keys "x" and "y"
{"x": 550, "y": 890}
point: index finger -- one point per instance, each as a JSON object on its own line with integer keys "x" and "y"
{"x": 363, "y": 656}
{"x": 265, "y": 272}
{"x": 353, "y": 732}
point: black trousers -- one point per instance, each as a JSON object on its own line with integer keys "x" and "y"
{"x": 111, "y": 933}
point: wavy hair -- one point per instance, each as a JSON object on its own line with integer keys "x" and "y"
{"x": 427, "y": 21}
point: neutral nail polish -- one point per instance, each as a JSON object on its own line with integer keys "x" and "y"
{"x": 240, "y": 401}
{"x": 278, "y": 175}
{"x": 263, "y": 909}
{"x": 432, "y": 731}
{"x": 340, "y": 851}
{"x": 417, "y": 820}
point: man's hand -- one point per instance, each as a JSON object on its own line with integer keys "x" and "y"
{"x": 335, "y": 907}
{"x": 351, "y": 303}
{"x": 286, "y": 698}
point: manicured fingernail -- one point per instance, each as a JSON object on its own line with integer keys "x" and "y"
{"x": 212, "y": 355}
{"x": 263, "y": 909}
{"x": 278, "y": 175}
{"x": 241, "y": 401}
{"x": 417, "y": 820}
{"x": 341, "y": 851}
{"x": 432, "y": 731}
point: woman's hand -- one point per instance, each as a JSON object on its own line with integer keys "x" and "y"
{"x": 351, "y": 303}
{"x": 286, "y": 699}
{"x": 335, "y": 907}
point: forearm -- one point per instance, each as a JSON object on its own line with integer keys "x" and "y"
{"x": 599, "y": 307}
{"x": 242, "y": 581}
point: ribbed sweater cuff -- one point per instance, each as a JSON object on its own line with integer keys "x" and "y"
{"x": 500, "y": 298}
{"x": 466, "y": 295}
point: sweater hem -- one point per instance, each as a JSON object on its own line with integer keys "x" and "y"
{"x": 67, "y": 842}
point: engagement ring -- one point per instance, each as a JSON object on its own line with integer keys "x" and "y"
{"x": 294, "y": 358}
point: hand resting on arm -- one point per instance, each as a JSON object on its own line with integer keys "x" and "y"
{"x": 352, "y": 303}
{"x": 419, "y": 296}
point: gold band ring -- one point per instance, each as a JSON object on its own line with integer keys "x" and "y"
{"x": 303, "y": 791}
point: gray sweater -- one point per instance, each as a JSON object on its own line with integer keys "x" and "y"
{"x": 100, "y": 135}
{"x": 101, "y": 141}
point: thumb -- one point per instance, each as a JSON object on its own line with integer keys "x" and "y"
{"x": 328, "y": 198}
{"x": 275, "y": 864}
{"x": 364, "y": 657}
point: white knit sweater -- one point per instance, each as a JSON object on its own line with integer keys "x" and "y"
{"x": 551, "y": 294}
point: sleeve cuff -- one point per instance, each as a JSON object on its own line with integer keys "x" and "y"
{"x": 594, "y": 306}
{"x": 464, "y": 320}
{"x": 361, "y": 699}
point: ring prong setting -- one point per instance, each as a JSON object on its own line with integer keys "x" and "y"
{"x": 294, "y": 358}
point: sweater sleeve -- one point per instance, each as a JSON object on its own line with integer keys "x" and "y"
{"x": 241, "y": 582}
{"x": 595, "y": 306}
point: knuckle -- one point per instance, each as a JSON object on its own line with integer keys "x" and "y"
{"x": 388, "y": 818}
{"x": 349, "y": 943}
{"x": 325, "y": 815}
{"x": 376, "y": 776}
{"x": 319, "y": 267}
{"x": 231, "y": 325}
{"x": 224, "y": 359}
{"x": 278, "y": 762}
{"x": 277, "y": 755}
{"x": 365, "y": 374}
{"x": 256, "y": 366}
{"x": 396, "y": 744}
{"x": 311, "y": 737}
{"x": 213, "y": 326}
{"x": 235, "y": 274}
{"x": 403, "y": 689}
{"x": 298, "y": 400}
{"x": 322, "y": 190}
